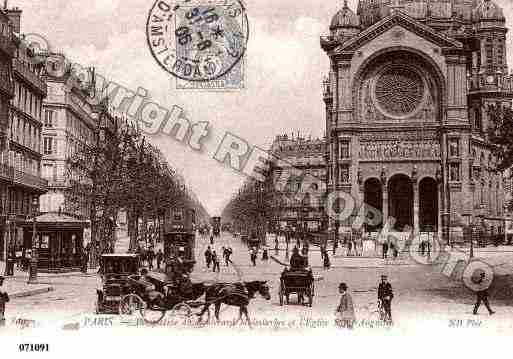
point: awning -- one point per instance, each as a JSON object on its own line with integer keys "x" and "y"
{"x": 55, "y": 220}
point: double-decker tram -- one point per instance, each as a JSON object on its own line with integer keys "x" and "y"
{"x": 180, "y": 234}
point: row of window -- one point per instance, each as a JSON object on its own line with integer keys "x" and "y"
{"x": 23, "y": 163}
{"x": 19, "y": 202}
{"x": 78, "y": 129}
{"x": 25, "y": 132}
{"x": 27, "y": 101}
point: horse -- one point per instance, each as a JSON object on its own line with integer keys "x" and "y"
{"x": 234, "y": 294}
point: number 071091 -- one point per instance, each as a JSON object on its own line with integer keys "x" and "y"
{"x": 33, "y": 347}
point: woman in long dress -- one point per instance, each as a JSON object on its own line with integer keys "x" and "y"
{"x": 345, "y": 310}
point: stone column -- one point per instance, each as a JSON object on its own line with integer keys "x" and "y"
{"x": 384, "y": 190}
{"x": 416, "y": 225}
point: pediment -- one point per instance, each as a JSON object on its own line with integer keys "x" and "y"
{"x": 404, "y": 21}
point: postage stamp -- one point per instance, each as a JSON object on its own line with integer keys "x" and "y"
{"x": 201, "y": 43}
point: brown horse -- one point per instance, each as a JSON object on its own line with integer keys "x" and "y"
{"x": 234, "y": 294}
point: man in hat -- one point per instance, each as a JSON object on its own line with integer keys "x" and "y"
{"x": 4, "y": 298}
{"x": 385, "y": 296}
{"x": 482, "y": 296}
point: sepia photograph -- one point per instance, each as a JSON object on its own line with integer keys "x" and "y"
{"x": 255, "y": 177}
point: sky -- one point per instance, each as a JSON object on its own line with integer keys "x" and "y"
{"x": 284, "y": 69}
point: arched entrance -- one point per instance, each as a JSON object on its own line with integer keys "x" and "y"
{"x": 373, "y": 197}
{"x": 400, "y": 201}
{"x": 428, "y": 204}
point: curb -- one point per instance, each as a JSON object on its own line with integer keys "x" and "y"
{"x": 29, "y": 293}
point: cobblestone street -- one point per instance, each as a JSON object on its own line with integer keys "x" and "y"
{"x": 418, "y": 290}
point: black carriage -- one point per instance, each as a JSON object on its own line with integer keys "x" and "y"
{"x": 115, "y": 270}
{"x": 299, "y": 282}
{"x": 157, "y": 293}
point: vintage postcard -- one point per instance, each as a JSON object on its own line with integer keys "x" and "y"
{"x": 301, "y": 175}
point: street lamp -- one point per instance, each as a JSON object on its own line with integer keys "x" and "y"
{"x": 33, "y": 259}
{"x": 469, "y": 223}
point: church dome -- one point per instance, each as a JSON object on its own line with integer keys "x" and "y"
{"x": 488, "y": 10}
{"x": 372, "y": 11}
{"x": 345, "y": 18}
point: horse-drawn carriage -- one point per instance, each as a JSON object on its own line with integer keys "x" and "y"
{"x": 154, "y": 294}
{"x": 297, "y": 281}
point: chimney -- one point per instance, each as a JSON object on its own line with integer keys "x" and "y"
{"x": 14, "y": 15}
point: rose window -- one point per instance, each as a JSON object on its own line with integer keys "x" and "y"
{"x": 399, "y": 91}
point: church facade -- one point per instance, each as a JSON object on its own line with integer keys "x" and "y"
{"x": 407, "y": 99}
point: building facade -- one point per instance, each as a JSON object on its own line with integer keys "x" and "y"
{"x": 298, "y": 171}
{"x": 407, "y": 100}
{"x": 21, "y": 145}
{"x": 70, "y": 122}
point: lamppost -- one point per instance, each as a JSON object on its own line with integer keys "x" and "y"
{"x": 7, "y": 246}
{"x": 469, "y": 224}
{"x": 33, "y": 259}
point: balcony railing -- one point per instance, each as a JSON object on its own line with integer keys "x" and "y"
{"x": 6, "y": 172}
{"x": 7, "y": 45}
{"x": 7, "y": 86}
{"x": 29, "y": 75}
{"x": 58, "y": 182}
{"x": 14, "y": 176}
{"x": 29, "y": 180}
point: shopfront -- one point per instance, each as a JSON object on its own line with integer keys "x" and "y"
{"x": 59, "y": 241}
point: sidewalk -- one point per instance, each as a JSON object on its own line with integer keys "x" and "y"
{"x": 17, "y": 286}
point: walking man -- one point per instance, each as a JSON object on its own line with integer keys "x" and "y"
{"x": 208, "y": 256}
{"x": 159, "y": 256}
{"x": 4, "y": 298}
{"x": 151, "y": 256}
{"x": 253, "y": 256}
{"x": 385, "y": 296}
{"x": 345, "y": 310}
{"x": 482, "y": 296}
{"x": 228, "y": 254}
{"x": 385, "y": 249}
{"x": 215, "y": 262}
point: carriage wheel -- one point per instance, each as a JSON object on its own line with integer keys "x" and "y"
{"x": 129, "y": 305}
{"x": 152, "y": 315}
{"x": 182, "y": 310}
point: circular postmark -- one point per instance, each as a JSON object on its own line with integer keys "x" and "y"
{"x": 197, "y": 40}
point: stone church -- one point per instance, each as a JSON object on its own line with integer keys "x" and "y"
{"x": 407, "y": 99}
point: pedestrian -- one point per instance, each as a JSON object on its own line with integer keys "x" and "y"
{"x": 349, "y": 247}
{"x": 326, "y": 259}
{"x": 482, "y": 296}
{"x": 151, "y": 256}
{"x": 385, "y": 249}
{"x": 422, "y": 247}
{"x": 385, "y": 296}
{"x": 85, "y": 259}
{"x": 215, "y": 262}
{"x": 18, "y": 258}
{"x": 265, "y": 255}
{"x": 4, "y": 298}
{"x": 159, "y": 256}
{"x": 211, "y": 239}
{"x": 208, "y": 256}
{"x": 229, "y": 252}
{"x": 345, "y": 310}
{"x": 223, "y": 252}
{"x": 253, "y": 255}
